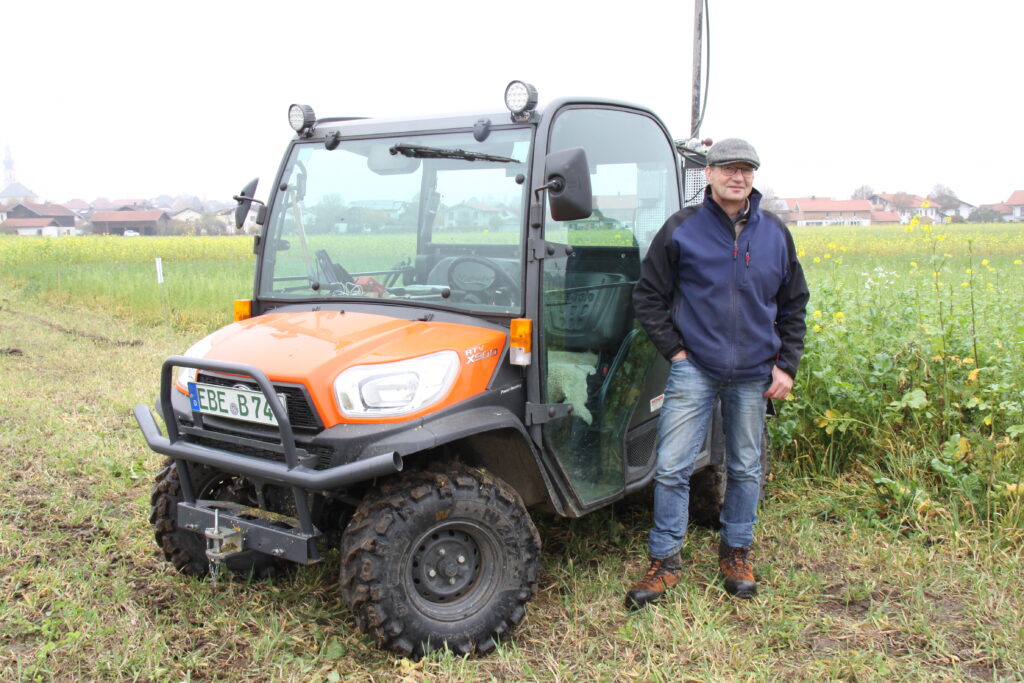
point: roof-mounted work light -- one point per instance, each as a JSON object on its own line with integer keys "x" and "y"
{"x": 521, "y": 99}
{"x": 301, "y": 117}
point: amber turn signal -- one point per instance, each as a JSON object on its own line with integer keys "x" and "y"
{"x": 243, "y": 309}
{"x": 520, "y": 341}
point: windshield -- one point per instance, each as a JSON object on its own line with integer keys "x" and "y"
{"x": 432, "y": 219}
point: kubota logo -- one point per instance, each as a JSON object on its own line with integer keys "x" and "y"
{"x": 479, "y": 353}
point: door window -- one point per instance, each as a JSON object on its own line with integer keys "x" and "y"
{"x": 596, "y": 356}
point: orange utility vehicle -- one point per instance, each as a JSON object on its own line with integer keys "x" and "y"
{"x": 440, "y": 337}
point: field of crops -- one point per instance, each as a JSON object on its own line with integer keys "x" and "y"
{"x": 894, "y": 522}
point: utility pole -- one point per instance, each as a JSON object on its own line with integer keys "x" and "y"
{"x": 698, "y": 44}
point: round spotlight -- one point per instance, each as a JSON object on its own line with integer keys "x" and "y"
{"x": 520, "y": 98}
{"x": 301, "y": 117}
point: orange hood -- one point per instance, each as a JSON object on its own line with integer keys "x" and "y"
{"x": 313, "y": 347}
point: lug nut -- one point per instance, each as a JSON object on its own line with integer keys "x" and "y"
{"x": 451, "y": 581}
{"x": 462, "y": 559}
{"x": 432, "y": 573}
{"x": 440, "y": 551}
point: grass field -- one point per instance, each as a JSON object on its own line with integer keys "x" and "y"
{"x": 889, "y": 548}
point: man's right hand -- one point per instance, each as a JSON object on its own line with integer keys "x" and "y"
{"x": 679, "y": 356}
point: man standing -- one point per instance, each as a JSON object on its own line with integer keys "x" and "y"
{"x": 722, "y": 296}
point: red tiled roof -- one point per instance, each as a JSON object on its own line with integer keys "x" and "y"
{"x": 1016, "y": 199}
{"x": 29, "y": 222}
{"x": 885, "y": 217}
{"x": 47, "y": 209}
{"x": 126, "y": 216}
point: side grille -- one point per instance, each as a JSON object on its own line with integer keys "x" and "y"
{"x": 641, "y": 444}
{"x": 301, "y": 412}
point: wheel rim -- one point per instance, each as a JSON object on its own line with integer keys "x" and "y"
{"x": 452, "y": 570}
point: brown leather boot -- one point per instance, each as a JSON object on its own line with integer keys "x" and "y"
{"x": 737, "y": 570}
{"x": 660, "y": 576}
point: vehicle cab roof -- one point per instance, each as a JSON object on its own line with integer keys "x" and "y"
{"x": 357, "y": 126}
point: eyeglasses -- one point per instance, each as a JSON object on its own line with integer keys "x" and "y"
{"x": 731, "y": 171}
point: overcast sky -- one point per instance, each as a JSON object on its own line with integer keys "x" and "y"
{"x": 135, "y": 99}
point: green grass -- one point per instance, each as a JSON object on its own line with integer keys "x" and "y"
{"x": 889, "y": 546}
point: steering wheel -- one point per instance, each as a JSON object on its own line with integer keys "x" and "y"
{"x": 486, "y": 284}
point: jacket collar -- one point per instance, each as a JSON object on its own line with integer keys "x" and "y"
{"x": 753, "y": 209}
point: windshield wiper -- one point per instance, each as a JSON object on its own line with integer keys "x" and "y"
{"x": 422, "y": 152}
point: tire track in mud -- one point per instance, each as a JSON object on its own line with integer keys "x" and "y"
{"x": 78, "y": 334}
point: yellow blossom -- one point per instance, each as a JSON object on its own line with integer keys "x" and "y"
{"x": 968, "y": 361}
{"x": 816, "y": 314}
{"x": 838, "y": 315}
{"x": 973, "y": 375}
{"x": 913, "y": 264}
{"x": 969, "y": 271}
{"x": 816, "y": 328}
{"x": 828, "y": 255}
{"x": 984, "y": 261}
{"x": 817, "y": 260}
{"x": 1018, "y": 262}
{"x": 965, "y": 284}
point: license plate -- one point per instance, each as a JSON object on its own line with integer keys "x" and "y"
{"x": 234, "y": 403}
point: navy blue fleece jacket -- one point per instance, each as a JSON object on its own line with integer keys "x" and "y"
{"x": 735, "y": 304}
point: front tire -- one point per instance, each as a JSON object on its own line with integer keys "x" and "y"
{"x": 440, "y": 558}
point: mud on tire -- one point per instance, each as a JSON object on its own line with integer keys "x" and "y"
{"x": 440, "y": 558}
{"x": 187, "y": 550}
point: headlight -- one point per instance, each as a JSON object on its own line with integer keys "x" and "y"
{"x": 182, "y": 376}
{"x": 396, "y": 388}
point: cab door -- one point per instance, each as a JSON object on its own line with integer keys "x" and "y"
{"x": 596, "y": 357}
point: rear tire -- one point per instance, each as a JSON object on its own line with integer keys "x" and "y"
{"x": 185, "y": 549}
{"x": 441, "y": 558}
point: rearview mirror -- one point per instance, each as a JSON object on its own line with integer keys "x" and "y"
{"x": 244, "y": 199}
{"x": 567, "y": 180}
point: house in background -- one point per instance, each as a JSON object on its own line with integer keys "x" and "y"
{"x": 917, "y": 206}
{"x": 1015, "y": 204}
{"x": 476, "y": 215}
{"x": 152, "y": 222}
{"x": 818, "y": 211}
{"x": 190, "y": 216}
{"x": 885, "y": 218}
{"x": 63, "y": 216}
{"x": 15, "y": 192}
{"x": 35, "y": 227}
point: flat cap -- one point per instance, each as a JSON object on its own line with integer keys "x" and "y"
{"x": 733, "y": 151}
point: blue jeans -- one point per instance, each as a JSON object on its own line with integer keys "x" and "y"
{"x": 689, "y": 402}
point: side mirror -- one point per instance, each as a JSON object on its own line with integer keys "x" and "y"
{"x": 567, "y": 180}
{"x": 245, "y": 199}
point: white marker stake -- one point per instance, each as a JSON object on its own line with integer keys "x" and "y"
{"x": 160, "y": 281}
